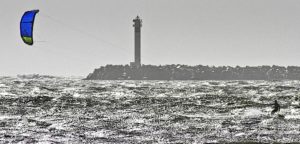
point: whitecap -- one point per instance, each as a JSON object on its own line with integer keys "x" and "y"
{"x": 6, "y": 94}
{"x": 3, "y": 86}
{"x": 99, "y": 133}
{"x": 76, "y": 95}
{"x": 292, "y": 117}
{"x": 5, "y": 117}
{"x": 58, "y": 126}
{"x": 239, "y": 134}
{"x": 35, "y": 90}
{"x": 252, "y": 113}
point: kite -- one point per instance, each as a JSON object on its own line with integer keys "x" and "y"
{"x": 26, "y": 26}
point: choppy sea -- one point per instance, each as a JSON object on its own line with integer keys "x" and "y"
{"x": 71, "y": 110}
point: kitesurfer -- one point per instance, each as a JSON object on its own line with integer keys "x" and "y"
{"x": 276, "y": 107}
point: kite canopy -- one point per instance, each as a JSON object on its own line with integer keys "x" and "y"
{"x": 26, "y": 26}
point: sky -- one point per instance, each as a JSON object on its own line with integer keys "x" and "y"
{"x": 73, "y": 37}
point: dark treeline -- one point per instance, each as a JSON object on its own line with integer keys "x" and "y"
{"x": 199, "y": 72}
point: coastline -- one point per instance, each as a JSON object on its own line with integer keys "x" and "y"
{"x": 199, "y": 72}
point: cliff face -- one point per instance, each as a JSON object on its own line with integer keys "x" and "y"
{"x": 199, "y": 72}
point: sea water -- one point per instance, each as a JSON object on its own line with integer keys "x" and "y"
{"x": 71, "y": 110}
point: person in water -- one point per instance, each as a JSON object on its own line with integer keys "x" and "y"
{"x": 276, "y": 107}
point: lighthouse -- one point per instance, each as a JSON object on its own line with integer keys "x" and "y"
{"x": 137, "y": 42}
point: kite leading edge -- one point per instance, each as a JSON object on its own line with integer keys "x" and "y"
{"x": 26, "y": 26}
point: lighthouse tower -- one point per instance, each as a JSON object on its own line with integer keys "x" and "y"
{"x": 137, "y": 42}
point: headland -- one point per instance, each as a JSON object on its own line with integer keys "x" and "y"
{"x": 199, "y": 72}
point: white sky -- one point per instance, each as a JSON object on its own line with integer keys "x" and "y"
{"x": 75, "y": 36}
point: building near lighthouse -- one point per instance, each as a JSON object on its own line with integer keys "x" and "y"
{"x": 137, "y": 42}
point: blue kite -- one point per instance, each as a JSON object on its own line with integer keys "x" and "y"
{"x": 26, "y": 26}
